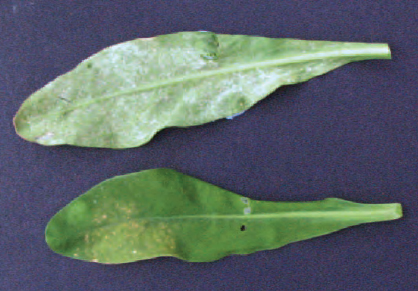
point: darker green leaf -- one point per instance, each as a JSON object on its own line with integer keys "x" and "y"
{"x": 162, "y": 212}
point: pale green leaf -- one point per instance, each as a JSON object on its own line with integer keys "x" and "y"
{"x": 121, "y": 96}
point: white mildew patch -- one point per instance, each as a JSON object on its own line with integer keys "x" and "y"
{"x": 246, "y": 201}
{"x": 247, "y": 210}
{"x": 148, "y": 38}
{"x": 115, "y": 53}
{"x": 45, "y": 137}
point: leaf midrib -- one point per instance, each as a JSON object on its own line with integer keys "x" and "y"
{"x": 384, "y": 214}
{"x": 302, "y": 214}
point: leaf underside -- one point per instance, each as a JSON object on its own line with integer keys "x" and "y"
{"x": 121, "y": 96}
{"x": 162, "y": 212}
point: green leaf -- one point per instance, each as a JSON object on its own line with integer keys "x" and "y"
{"x": 162, "y": 212}
{"x": 121, "y": 96}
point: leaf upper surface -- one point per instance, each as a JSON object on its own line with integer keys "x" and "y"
{"x": 121, "y": 96}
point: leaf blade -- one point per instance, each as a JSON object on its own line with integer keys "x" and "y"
{"x": 182, "y": 79}
{"x": 120, "y": 221}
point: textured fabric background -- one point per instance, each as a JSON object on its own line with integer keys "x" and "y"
{"x": 351, "y": 133}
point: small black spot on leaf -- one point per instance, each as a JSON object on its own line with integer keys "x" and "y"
{"x": 243, "y": 228}
{"x": 210, "y": 56}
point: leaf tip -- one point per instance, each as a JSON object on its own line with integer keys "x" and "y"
{"x": 388, "y": 52}
{"x": 397, "y": 211}
{"x": 392, "y": 211}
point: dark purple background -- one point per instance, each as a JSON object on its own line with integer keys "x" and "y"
{"x": 351, "y": 133}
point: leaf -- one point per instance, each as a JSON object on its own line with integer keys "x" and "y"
{"x": 162, "y": 212}
{"x": 121, "y": 96}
